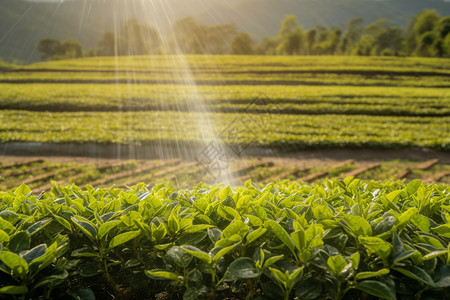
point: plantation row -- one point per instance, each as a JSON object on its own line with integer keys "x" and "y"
{"x": 231, "y": 98}
{"x": 319, "y": 78}
{"x": 340, "y": 239}
{"x": 277, "y": 131}
{"x": 37, "y": 173}
{"x": 186, "y": 98}
{"x": 225, "y": 63}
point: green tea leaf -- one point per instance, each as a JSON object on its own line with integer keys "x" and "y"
{"x": 20, "y": 242}
{"x": 358, "y": 225}
{"x": 85, "y": 252}
{"x": 413, "y": 186}
{"x": 35, "y": 253}
{"x": 38, "y": 226}
{"x": 366, "y": 275}
{"x": 197, "y": 253}
{"x": 123, "y": 238}
{"x": 403, "y": 256}
{"x": 106, "y": 227}
{"x": 422, "y": 222}
{"x": 15, "y": 263}
{"x": 236, "y": 227}
{"x": 355, "y": 259}
{"x": 336, "y": 264}
{"x": 222, "y": 252}
{"x": 270, "y": 261}
{"x": 89, "y": 269}
{"x": 255, "y": 234}
{"x": 443, "y": 230}
{"x": 228, "y": 213}
{"x": 398, "y": 246}
{"x": 224, "y": 193}
{"x": 280, "y": 233}
{"x": 376, "y": 245}
{"x": 377, "y": 288}
{"x": 87, "y": 228}
{"x": 56, "y": 278}
{"x": 4, "y": 237}
{"x": 14, "y": 290}
{"x": 393, "y": 195}
{"x": 22, "y": 190}
{"x": 180, "y": 257}
{"x": 244, "y": 268}
{"x": 416, "y": 273}
{"x": 173, "y": 223}
{"x": 7, "y": 227}
{"x": 161, "y": 274}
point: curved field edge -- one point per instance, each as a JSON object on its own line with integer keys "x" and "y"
{"x": 339, "y": 239}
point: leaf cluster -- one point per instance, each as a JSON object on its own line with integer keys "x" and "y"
{"x": 341, "y": 239}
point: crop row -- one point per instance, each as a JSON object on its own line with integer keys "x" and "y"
{"x": 224, "y": 78}
{"x": 37, "y": 173}
{"x": 284, "y": 99}
{"x": 241, "y": 63}
{"x": 287, "y": 131}
{"x": 346, "y": 239}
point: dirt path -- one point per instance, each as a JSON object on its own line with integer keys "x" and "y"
{"x": 101, "y": 153}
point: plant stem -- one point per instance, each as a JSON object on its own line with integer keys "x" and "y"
{"x": 251, "y": 285}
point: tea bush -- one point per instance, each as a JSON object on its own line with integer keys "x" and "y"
{"x": 341, "y": 239}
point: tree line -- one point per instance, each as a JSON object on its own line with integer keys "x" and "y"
{"x": 427, "y": 35}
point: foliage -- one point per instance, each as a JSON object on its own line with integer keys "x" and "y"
{"x": 242, "y": 44}
{"x": 341, "y": 239}
{"x": 278, "y": 130}
{"x": 191, "y": 37}
{"x": 56, "y": 50}
{"x": 425, "y": 36}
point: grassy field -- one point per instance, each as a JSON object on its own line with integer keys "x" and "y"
{"x": 314, "y": 101}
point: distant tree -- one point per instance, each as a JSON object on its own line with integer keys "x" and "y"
{"x": 71, "y": 49}
{"x": 327, "y": 41}
{"x": 410, "y": 39}
{"x": 138, "y": 39}
{"x": 446, "y": 45}
{"x": 424, "y": 46}
{"x": 390, "y": 39}
{"x": 268, "y": 46}
{"x": 187, "y": 34}
{"x": 242, "y": 44}
{"x": 290, "y": 36}
{"x": 352, "y": 35}
{"x": 54, "y": 49}
{"x": 191, "y": 37}
{"x": 107, "y": 46}
{"x": 218, "y": 39}
{"x": 426, "y": 21}
{"x": 443, "y": 26}
{"x": 364, "y": 46}
{"x": 310, "y": 36}
{"x": 49, "y": 48}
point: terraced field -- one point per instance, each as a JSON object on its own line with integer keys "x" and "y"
{"x": 302, "y": 102}
{"x": 37, "y": 173}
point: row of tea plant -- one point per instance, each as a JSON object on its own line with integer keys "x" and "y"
{"x": 341, "y": 239}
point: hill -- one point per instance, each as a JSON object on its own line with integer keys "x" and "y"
{"x": 262, "y": 17}
{"x": 24, "y": 23}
